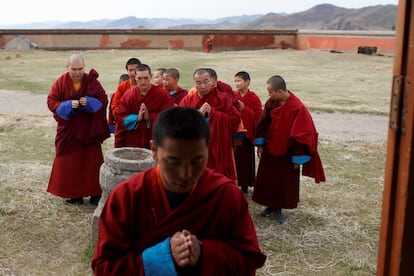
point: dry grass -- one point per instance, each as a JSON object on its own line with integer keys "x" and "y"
{"x": 334, "y": 231}
{"x": 323, "y": 80}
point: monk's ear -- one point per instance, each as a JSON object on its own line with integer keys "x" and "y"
{"x": 154, "y": 150}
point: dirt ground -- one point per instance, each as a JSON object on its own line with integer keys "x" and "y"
{"x": 332, "y": 126}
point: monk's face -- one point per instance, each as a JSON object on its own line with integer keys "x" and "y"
{"x": 274, "y": 94}
{"x": 203, "y": 83}
{"x": 158, "y": 79}
{"x": 143, "y": 81}
{"x": 76, "y": 70}
{"x": 241, "y": 84}
{"x": 131, "y": 70}
{"x": 170, "y": 83}
{"x": 181, "y": 163}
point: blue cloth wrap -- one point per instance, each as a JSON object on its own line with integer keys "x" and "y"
{"x": 240, "y": 134}
{"x": 65, "y": 110}
{"x": 300, "y": 159}
{"x": 260, "y": 141}
{"x": 158, "y": 259}
{"x": 131, "y": 121}
{"x": 111, "y": 128}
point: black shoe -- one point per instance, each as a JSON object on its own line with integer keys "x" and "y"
{"x": 95, "y": 199}
{"x": 267, "y": 212}
{"x": 78, "y": 201}
{"x": 280, "y": 218}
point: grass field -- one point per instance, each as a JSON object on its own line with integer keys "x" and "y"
{"x": 335, "y": 229}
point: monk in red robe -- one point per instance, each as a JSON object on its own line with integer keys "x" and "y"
{"x": 178, "y": 218}
{"x": 171, "y": 79}
{"x": 286, "y": 138}
{"x": 223, "y": 118}
{"x": 208, "y": 45}
{"x": 78, "y": 102}
{"x": 251, "y": 108}
{"x": 123, "y": 87}
{"x": 138, "y": 110}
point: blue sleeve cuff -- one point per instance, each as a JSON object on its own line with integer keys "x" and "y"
{"x": 111, "y": 128}
{"x": 239, "y": 134}
{"x": 300, "y": 159}
{"x": 148, "y": 123}
{"x": 65, "y": 110}
{"x": 92, "y": 105}
{"x": 131, "y": 121}
{"x": 158, "y": 259}
{"x": 260, "y": 141}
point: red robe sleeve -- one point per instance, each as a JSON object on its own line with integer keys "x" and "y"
{"x": 292, "y": 121}
{"x": 115, "y": 254}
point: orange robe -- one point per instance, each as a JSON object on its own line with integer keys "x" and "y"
{"x": 122, "y": 88}
{"x": 223, "y": 121}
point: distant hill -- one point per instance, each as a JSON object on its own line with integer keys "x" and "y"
{"x": 330, "y": 17}
{"x": 320, "y": 17}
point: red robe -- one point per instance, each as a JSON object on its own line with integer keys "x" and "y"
{"x": 289, "y": 130}
{"x": 223, "y": 121}
{"x": 156, "y": 100}
{"x": 137, "y": 215}
{"x": 75, "y": 171}
{"x": 179, "y": 95}
{"x": 244, "y": 154}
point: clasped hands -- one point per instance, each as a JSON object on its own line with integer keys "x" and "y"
{"x": 81, "y": 102}
{"x": 205, "y": 109}
{"x": 143, "y": 113}
{"x": 185, "y": 249}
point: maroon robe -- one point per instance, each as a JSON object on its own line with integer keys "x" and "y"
{"x": 137, "y": 215}
{"x": 289, "y": 131}
{"x": 223, "y": 122}
{"x": 244, "y": 154}
{"x": 75, "y": 171}
{"x": 179, "y": 95}
{"x": 156, "y": 100}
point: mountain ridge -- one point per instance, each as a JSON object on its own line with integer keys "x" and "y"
{"x": 319, "y": 17}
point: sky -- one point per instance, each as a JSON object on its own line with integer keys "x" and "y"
{"x": 29, "y": 11}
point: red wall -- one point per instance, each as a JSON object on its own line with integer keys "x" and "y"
{"x": 194, "y": 39}
{"x": 341, "y": 42}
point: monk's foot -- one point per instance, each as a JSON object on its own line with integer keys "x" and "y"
{"x": 78, "y": 201}
{"x": 280, "y": 218}
{"x": 94, "y": 200}
{"x": 267, "y": 212}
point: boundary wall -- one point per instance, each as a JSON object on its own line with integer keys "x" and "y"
{"x": 193, "y": 40}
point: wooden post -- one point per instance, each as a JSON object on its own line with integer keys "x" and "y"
{"x": 397, "y": 224}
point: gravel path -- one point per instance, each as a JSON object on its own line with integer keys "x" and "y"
{"x": 331, "y": 126}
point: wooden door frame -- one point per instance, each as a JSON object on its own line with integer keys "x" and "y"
{"x": 396, "y": 243}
